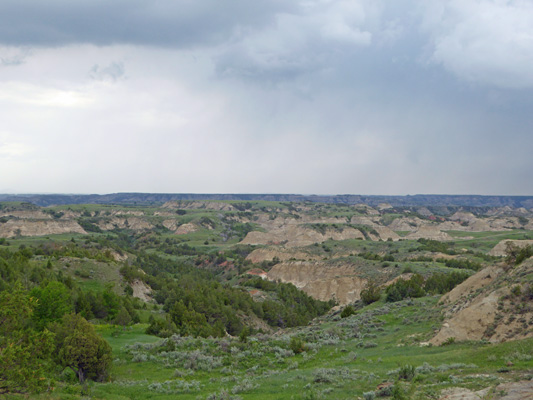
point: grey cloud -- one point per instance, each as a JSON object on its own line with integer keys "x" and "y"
{"x": 310, "y": 38}
{"x": 352, "y": 96}
{"x": 241, "y": 63}
{"x": 13, "y": 57}
{"x": 12, "y": 61}
{"x": 488, "y": 42}
{"x": 484, "y": 41}
{"x": 163, "y": 23}
{"x": 112, "y": 72}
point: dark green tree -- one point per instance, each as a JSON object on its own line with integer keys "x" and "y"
{"x": 53, "y": 302}
{"x": 81, "y": 349}
{"x": 24, "y": 353}
{"x": 371, "y": 293}
{"x": 123, "y": 318}
{"x": 347, "y": 311}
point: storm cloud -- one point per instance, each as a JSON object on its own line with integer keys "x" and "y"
{"x": 324, "y": 96}
{"x": 162, "y": 23}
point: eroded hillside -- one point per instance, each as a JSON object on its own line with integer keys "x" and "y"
{"x": 289, "y": 300}
{"x": 330, "y": 251}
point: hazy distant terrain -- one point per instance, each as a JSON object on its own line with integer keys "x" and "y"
{"x": 160, "y": 198}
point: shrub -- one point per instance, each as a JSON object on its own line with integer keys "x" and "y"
{"x": 403, "y": 289}
{"x": 222, "y": 395}
{"x": 406, "y": 373}
{"x": 463, "y": 264}
{"x": 398, "y": 393}
{"x": 369, "y": 395}
{"x": 528, "y": 292}
{"x": 371, "y": 293}
{"x": 325, "y": 375}
{"x": 244, "y": 386}
{"x": 450, "y": 340}
{"x": 385, "y": 391}
{"x": 297, "y": 345}
{"x": 516, "y": 290}
{"x": 347, "y": 311}
{"x": 516, "y": 255}
{"x": 442, "y": 283}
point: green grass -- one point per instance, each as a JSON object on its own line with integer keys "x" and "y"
{"x": 485, "y": 241}
{"x": 345, "y": 358}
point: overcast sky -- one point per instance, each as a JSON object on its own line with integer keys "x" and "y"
{"x": 266, "y": 96}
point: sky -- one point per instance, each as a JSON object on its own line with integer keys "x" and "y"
{"x": 267, "y": 96}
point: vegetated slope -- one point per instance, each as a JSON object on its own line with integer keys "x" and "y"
{"x": 495, "y": 304}
{"x": 378, "y": 352}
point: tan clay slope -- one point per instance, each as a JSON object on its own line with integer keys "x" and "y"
{"x": 183, "y": 229}
{"x": 500, "y": 249}
{"x": 300, "y": 236}
{"x": 26, "y": 214}
{"x": 134, "y": 223}
{"x": 281, "y": 253}
{"x": 141, "y": 290}
{"x": 485, "y": 306}
{"x": 429, "y": 232}
{"x": 14, "y": 227}
{"x": 385, "y": 233}
{"x": 321, "y": 280}
{"x": 521, "y": 390}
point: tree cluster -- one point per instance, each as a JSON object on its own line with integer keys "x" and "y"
{"x": 34, "y": 340}
{"x": 416, "y": 286}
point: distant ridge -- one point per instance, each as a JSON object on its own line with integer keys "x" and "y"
{"x": 45, "y": 200}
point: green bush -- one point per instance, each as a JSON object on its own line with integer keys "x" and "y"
{"x": 463, "y": 264}
{"x": 371, "y": 293}
{"x": 406, "y": 373}
{"x": 449, "y": 341}
{"x": 516, "y": 255}
{"x": 398, "y": 393}
{"x": 442, "y": 283}
{"x": 403, "y": 289}
{"x": 347, "y": 311}
{"x": 369, "y": 395}
{"x": 297, "y": 345}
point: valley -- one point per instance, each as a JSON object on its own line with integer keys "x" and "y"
{"x": 261, "y": 299}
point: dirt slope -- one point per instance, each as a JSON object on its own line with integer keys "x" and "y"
{"x": 320, "y": 280}
{"x": 429, "y": 232}
{"x": 500, "y": 249}
{"x": 134, "y": 223}
{"x": 141, "y": 290}
{"x": 300, "y": 236}
{"x": 16, "y": 227}
{"x": 183, "y": 229}
{"x": 26, "y": 214}
{"x": 281, "y": 253}
{"x": 522, "y": 390}
{"x": 493, "y": 305}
